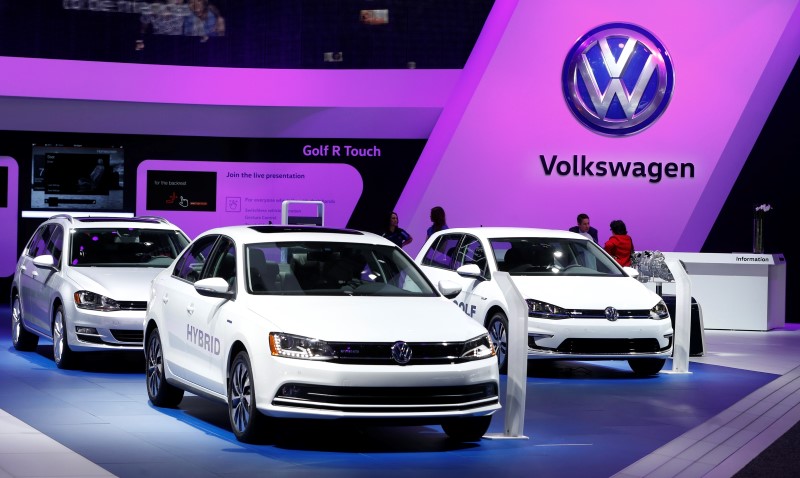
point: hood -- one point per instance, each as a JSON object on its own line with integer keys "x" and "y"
{"x": 118, "y": 283}
{"x": 368, "y": 319}
{"x": 573, "y": 292}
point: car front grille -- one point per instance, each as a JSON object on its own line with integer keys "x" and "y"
{"x": 387, "y": 399}
{"x": 132, "y": 304}
{"x": 371, "y": 353}
{"x": 604, "y": 346}
{"x": 601, "y": 314}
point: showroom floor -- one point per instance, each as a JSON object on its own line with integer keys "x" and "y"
{"x": 582, "y": 419}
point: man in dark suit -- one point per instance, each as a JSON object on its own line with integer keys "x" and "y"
{"x": 584, "y": 228}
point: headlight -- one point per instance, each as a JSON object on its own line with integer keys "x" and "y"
{"x": 543, "y": 310}
{"x": 89, "y": 300}
{"x": 295, "y": 346}
{"x": 478, "y": 348}
{"x": 659, "y": 311}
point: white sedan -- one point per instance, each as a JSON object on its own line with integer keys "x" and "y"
{"x": 311, "y": 322}
{"x": 581, "y": 304}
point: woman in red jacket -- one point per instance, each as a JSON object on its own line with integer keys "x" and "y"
{"x": 620, "y": 244}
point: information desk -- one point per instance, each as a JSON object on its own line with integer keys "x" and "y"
{"x": 735, "y": 291}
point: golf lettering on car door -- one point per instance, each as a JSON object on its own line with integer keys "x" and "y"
{"x": 179, "y": 302}
{"x": 471, "y": 251}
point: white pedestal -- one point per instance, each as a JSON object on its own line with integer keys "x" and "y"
{"x": 736, "y": 291}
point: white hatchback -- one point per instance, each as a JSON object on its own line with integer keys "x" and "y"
{"x": 83, "y": 282}
{"x": 581, "y": 304}
{"x": 311, "y": 322}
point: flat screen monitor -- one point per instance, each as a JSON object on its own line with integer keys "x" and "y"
{"x": 76, "y": 178}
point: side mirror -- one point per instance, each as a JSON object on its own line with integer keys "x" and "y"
{"x": 449, "y": 289}
{"x": 45, "y": 260}
{"x": 213, "y": 287}
{"x": 631, "y": 271}
{"x": 471, "y": 271}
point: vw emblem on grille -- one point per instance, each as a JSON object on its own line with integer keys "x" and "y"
{"x": 401, "y": 352}
{"x": 612, "y": 314}
{"x": 617, "y": 79}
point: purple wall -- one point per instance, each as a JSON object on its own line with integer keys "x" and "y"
{"x": 482, "y": 162}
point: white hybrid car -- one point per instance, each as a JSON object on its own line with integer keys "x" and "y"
{"x": 581, "y": 304}
{"x": 84, "y": 281}
{"x": 312, "y": 322}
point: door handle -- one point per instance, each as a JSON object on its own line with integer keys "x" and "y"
{"x": 23, "y": 268}
{"x": 190, "y": 309}
{"x": 35, "y": 274}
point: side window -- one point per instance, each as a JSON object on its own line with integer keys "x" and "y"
{"x": 471, "y": 252}
{"x": 224, "y": 263}
{"x": 442, "y": 252}
{"x": 190, "y": 265}
{"x": 38, "y": 244}
{"x": 56, "y": 243}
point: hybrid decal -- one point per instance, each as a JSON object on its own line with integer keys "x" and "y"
{"x": 203, "y": 340}
{"x": 653, "y": 171}
{"x": 617, "y": 79}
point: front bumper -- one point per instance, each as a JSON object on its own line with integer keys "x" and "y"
{"x": 599, "y": 339}
{"x": 306, "y": 389}
{"x": 117, "y": 330}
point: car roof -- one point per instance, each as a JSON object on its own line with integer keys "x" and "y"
{"x": 499, "y": 232}
{"x": 279, "y": 233}
{"x": 148, "y": 222}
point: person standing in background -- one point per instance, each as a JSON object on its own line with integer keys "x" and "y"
{"x": 204, "y": 21}
{"x": 620, "y": 244}
{"x": 395, "y": 233}
{"x": 438, "y": 219}
{"x": 584, "y": 228}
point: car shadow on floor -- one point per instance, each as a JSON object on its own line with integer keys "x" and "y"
{"x": 602, "y": 369}
{"x": 315, "y": 435}
{"x": 116, "y": 362}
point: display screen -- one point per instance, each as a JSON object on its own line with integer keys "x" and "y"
{"x": 77, "y": 177}
{"x": 181, "y": 190}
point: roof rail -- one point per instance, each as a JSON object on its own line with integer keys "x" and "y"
{"x": 155, "y": 218}
{"x": 67, "y": 216}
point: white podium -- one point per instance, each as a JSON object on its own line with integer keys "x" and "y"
{"x": 736, "y": 291}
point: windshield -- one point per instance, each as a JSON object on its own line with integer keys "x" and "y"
{"x": 333, "y": 268}
{"x": 537, "y": 256}
{"x": 125, "y": 247}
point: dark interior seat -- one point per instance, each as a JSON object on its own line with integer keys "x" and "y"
{"x": 264, "y": 274}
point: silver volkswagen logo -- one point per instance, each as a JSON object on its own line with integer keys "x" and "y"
{"x": 617, "y": 79}
{"x": 612, "y": 314}
{"x": 401, "y": 352}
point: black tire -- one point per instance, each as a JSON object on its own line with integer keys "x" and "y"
{"x": 22, "y": 339}
{"x": 247, "y": 423}
{"x": 467, "y": 429}
{"x": 646, "y": 367}
{"x": 64, "y": 356}
{"x": 498, "y": 331}
{"x": 160, "y": 393}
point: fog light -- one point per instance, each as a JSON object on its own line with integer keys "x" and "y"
{"x": 290, "y": 391}
{"x": 536, "y": 337}
{"x": 86, "y": 330}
